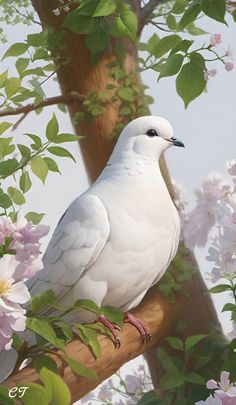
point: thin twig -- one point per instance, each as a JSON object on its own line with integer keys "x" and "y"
{"x": 27, "y": 17}
{"x": 146, "y": 11}
{"x": 158, "y": 26}
{"x": 62, "y": 99}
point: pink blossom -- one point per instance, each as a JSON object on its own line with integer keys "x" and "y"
{"x": 12, "y": 294}
{"x": 229, "y": 66}
{"x": 215, "y": 39}
{"x": 223, "y": 389}
{"x": 66, "y": 9}
{"x": 56, "y": 12}
{"x": 202, "y": 218}
{"x": 105, "y": 394}
{"x": 133, "y": 383}
{"x": 231, "y": 167}
{"x": 209, "y": 73}
{"x": 229, "y": 53}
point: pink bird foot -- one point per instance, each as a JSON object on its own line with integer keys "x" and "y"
{"x": 112, "y": 327}
{"x": 139, "y": 325}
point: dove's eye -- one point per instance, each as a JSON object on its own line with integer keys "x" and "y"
{"x": 152, "y": 132}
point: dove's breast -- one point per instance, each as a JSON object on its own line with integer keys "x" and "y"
{"x": 144, "y": 235}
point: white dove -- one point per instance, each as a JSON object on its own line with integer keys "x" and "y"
{"x": 117, "y": 239}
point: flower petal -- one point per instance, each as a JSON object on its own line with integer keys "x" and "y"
{"x": 211, "y": 384}
{"x": 19, "y": 293}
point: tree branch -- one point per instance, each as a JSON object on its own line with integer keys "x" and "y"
{"x": 62, "y": 99}
{"x": 146, "y": 12}
{"x": 159, "y": 316}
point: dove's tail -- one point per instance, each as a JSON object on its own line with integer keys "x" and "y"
{"x": 8, "y": 360}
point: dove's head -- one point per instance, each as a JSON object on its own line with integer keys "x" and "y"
{"x": 147, "y": 136}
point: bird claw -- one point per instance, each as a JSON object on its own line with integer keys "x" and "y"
{"x": 140, "y": 326}
{"x": 112, "y": 327}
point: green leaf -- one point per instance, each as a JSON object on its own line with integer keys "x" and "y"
{"x": 36, "y": 139}
{"x": 66, "y": 138}
{"x": 3, "y": 78}
{"x": 34, "y": 217}
{"x": 175, "y": 343}
{"x": 166, "y": 44}
{"x": 220, "y": 288}
{"x": 45, "y": 361}
{"x": 40, "y": 168}
{"x": 193, "y": 30}
{"x": 171, "y": 380}
{"x": 59, "y": 151}
{"x": 88, "y": 305}
{"x": 66, "y": 329}
{"x": 113, "y": 314}
{"x": 43, "y": 328}
{"x": 172, "y": 65}
{"x": 179, "y": 6}
{"x": 97, "y": 41}
{"x": 126, "y": 25}
{"x": 35, "y": 394}
{"x": 4, "y": 126}
{"x": 25, "y": 153}
{"x": 192, "y": 341}
{"x": 152, "y": 43}
{"x": 171, "y": 22}
{"x": 104, "y": 8}
{"x": 80, "y": 369}
{"x": 167, "y": 361}
{"x": 234, "y": 15}
{"x": 190, "y": 82}
{"x": 8, "y": 167}
{"x": 52, "y": 165}
{"x": 38, "y": 71}
{"x": 149, "y": 398}
{"x": 80, "y": 24}
{"x": 11, "y": 86}
{"x": 229, "y": 307}
{"x": 4, "y": 396}
{"x": 52, "y": 128}
{"x": 41, "y": 301}
{"x": 190, "y": 15}
{"x": 5, "y": 201}
{"x": 182, "y": 46}
{"x": 89, "y": 337}
{"x": 197, "y": 59}
{"x": 194, "y": 378}
{"x": 16, "y": 195}
{"x": 214, "y": 9}
{"x": 126, "y": 94}
{"x": 39, "y": 39}
{"x": 58, "y": 392}
{"x": 16, "y": 49}
{"x": 21, "y": 64}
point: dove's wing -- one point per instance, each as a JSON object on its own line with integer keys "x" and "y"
{"x": 77, "y": 241}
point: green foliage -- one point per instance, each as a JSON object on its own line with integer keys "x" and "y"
{"x": 190, "y": 82}
{"x": 214, "y": 9}
{"x": 188, "y": 367}
{"x": 57, "y": 391}
{"x": 179, "y": 271}
{"x": 35, "y": 394}
{"x": 4, "y": 397}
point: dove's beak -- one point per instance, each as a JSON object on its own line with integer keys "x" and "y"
{"x": 177, "y": 142}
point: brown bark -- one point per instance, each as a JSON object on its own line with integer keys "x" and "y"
{"x": 81, "y": 76}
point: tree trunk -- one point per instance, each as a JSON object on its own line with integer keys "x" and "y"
{"x": 80, "y": 75}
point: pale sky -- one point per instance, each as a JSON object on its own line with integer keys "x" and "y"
{"x": 207, "y": 127}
